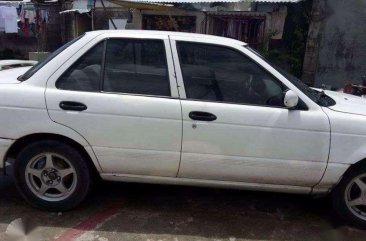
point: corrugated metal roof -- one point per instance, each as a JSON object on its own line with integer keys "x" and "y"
{"x": 13, "y": 3}
{"x": 143, "y": 6}
{"x": 81, "y": 11}
{"x": 212, "y": 1}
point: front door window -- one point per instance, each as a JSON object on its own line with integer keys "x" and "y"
{"x": 222, "y": 74}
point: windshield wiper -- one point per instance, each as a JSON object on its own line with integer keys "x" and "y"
{"x": 20, "y": 78}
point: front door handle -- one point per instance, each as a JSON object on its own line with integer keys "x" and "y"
{"x": 71, "y": 105}
{"x": 202, "y": 116}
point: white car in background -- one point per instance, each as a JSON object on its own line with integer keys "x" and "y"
{"x": 177, "y": 108}
{"x": 16, "y": 63}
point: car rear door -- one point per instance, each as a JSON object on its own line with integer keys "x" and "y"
{"x": 235, "y": 127}
{"x": 120, "y": 94}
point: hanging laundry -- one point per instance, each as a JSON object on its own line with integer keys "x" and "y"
{"x": 8, "y": 19}
{"x": 25, "y": 29}
{"x": 22, "y": 14}
{"x": 27, "y": 13}
{"x": 11, "y": 21}
{"x": 44, "y": 15}
{"x": 28, "y": 18}
{"x": 2, "y": 20}
{"x": 30, "y": 15}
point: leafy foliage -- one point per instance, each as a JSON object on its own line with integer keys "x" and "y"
{"x": 10, "y": 54}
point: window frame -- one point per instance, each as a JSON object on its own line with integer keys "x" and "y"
{"x": 301, "y": 105}
{"x": 101, "y": 81}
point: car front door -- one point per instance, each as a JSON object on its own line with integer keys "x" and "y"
{"x": 120, "y": 95}
{"x": 235, "y": 126}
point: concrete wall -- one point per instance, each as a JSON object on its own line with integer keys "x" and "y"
{"x": 342, "y": 51}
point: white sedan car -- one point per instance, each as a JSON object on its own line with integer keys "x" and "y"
{"x": 177, "y": 108}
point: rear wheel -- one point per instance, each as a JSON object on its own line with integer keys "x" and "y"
{"x": 52, "y": 175}
{"x": 349, "y": 197}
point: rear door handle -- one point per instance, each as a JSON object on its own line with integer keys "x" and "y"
{"x": 202, "y": 116}
{"x": 71, "y": 105}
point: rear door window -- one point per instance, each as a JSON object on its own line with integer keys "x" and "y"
{"x": 137, "y": 67}
{"x": 84, "y": 74}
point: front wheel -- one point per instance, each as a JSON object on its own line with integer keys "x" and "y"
{"x": 52, "y": 175}
{"x": 349, "y": 197}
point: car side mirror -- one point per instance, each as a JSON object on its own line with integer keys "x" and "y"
{"x": 291, "y": 99}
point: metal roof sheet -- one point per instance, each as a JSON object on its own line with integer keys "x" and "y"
{"x": 212, "y": 1}
{"x": 81, "y": 11}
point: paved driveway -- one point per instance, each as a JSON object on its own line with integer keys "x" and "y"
{"x": 116, "y": 211}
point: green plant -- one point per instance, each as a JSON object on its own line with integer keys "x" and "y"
{"x": 9, "y": 54}
{"x": 290, "y": 55}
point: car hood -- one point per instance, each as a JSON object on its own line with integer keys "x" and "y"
{"x": 10, "y": 76}
{"x": 347, "y": 103}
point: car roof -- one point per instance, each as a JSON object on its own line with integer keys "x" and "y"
{"x": 170, "y": 33}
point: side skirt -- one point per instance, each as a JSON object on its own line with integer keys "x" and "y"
{"x": 204, "y": 183}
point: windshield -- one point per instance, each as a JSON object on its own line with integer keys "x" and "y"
{"x": 318, "y": 97}
{"x": 42, "y": 63}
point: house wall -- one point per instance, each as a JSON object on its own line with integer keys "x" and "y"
{"x": 342, "y": 45}
{"x": 101, "y": 16}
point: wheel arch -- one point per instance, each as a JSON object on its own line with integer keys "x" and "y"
{"x": 357, "y": 159}
{"x": 334, "y": 175}
{"x": 353, "y": 166}
{"x": 22, "y": 142}
{"x": 357, "y": 164}
{"x": 339, "y": 165}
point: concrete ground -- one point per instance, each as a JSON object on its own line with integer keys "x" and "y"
{"x": 117, "y": 211}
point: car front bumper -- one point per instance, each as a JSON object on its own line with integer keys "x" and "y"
{"x": 4, "y": 147}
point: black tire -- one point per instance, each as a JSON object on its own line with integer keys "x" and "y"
{"x": 82, "y": 171}
{"x": 339, "y": 197}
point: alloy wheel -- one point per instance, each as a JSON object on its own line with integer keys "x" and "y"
{"x": 51, "y": 177}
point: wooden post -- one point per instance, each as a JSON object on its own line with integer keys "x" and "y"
{"x": 313, "y": 42}
{"x": 114, "y": 25}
